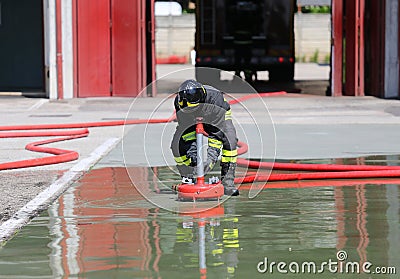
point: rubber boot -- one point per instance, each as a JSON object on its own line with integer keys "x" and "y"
{"x": 228, "y": 177}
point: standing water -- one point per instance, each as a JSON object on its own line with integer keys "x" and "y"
{"x": 103, "y": 228}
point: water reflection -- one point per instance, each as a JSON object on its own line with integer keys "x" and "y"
{"x": 103, "y": 228}
{"x": 213, "y": 240}
{"x": 106, "y": 229}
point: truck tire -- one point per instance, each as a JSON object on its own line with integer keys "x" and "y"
{"x": 282, "y": 73}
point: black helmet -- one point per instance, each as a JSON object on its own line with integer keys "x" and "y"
{"x": 191, "y": 93}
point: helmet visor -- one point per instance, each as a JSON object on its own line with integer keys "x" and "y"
{"x": 191, "y": 95}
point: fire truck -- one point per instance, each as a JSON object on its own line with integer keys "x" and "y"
{"x": 246, "y": 36}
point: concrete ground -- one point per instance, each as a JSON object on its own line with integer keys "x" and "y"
{"x": 309, "y": 78}
{"x": 292, "y": 126}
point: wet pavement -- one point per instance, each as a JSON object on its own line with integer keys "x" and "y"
{"x": 103, "y": 228}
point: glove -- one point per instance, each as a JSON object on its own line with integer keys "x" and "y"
{"x": 212, "y": 157}
{"x": 192, "y": 154}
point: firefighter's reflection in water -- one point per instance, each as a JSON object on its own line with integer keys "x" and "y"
{"x": 213, "y": 243}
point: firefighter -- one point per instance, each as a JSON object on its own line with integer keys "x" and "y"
{"x": 197, "y": 100}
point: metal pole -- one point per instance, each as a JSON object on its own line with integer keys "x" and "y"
{"x": 58, "y": 15}
{"x": 199, "y": 141}
{"x": 361, "y": 49}
{"x": 52, "y": 49}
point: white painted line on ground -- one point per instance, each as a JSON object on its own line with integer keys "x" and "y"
{"x": 50, "y": 194}
{"x": 38, "y": 104}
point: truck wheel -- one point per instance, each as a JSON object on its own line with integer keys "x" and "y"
{"x": 283, "y": 73}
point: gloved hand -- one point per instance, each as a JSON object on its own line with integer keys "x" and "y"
{"x": 192, "y": 154}
{"x": 212, "y": 157}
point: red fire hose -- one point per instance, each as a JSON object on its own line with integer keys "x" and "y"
{"x": 314, "y": 171}
{"x": 320, "y": 171}
{"x": 61, "y": 155}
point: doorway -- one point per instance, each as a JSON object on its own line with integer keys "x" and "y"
{"x": 22, "y": 44}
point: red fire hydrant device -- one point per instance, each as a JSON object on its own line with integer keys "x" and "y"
{"x": 200, "y": 190}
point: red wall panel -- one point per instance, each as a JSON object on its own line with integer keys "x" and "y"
{"x": 337, "y": 50}
{"x": 354, "y": 52}
{"x": 128, "y": 53}
{"x": 93, "y": 47}
{"x": 111, "y": 47}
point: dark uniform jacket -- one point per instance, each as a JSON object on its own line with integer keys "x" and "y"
{"x": 216, "y": 113}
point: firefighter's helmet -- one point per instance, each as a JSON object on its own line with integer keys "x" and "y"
{"x": 191, "y": 93}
